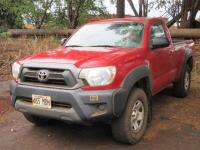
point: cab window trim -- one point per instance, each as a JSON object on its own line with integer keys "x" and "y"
{"x": 163, "y": 27}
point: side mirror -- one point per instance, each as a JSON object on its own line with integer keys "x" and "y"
{"x": 159, "y": 42}
{"x": 62, "y": 41}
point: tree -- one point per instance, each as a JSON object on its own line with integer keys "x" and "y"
{"x": 141, "y": 12}
{"x": 42, "y": 13}
{"x": 188, "y": 13}
{"x": 133, "y": 7}
{"x": 73, "y": 12}
{"x": 36, "y": 12}
{"x": 120, "y": 8}
{"x": 8, "y": 14}
{"x": 181, "y": 11}
{"x": 16, "y": 12}
{"x": 143, "y": 8}
{"x": 59, "y": 16}
{"x": 171, "y": 8}
{"x": 77, "y": 9}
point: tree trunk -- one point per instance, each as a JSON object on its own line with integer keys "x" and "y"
{"x": 146, "y": 7}
{"x": 73, "y": 13}
{"x": 120, "y": 8}
{"x": 39, "y": 32}
{"x": 175, "y": 33}
{"x": 185, "y": 33}
{"x": 143, "y": 8}
{"x": 69, "y": 13}
{"x": 194, "y": 10}
{"x": 189, "y": 12}
{"x": 184, "y": 14}
{"x": 41, "y": 22}
{"x": 140, "y": 8}
{"x": 77, "y": 15}
{"x": 174, "y": 20}
{"x": 133, "y": 7}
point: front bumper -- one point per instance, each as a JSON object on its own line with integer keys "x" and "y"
{"x": 86, "y": 106}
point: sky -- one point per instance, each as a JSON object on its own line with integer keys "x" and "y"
{"x": 153, "y": 13}
{"x": 112, "y": 9}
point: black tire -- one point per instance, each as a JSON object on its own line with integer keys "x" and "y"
{"x": 122, "y": 128}
{"x": 39, "y": 121}
{"x": 180, "y": 88}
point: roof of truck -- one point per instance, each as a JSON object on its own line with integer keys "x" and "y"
{"x": 128, "y": 19}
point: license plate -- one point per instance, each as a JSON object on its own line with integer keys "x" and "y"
{"x": 41, "y": 101}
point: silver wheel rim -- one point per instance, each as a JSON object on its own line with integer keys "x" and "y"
{"x": 137, "y": 116}
{"x": 187, "y": 81}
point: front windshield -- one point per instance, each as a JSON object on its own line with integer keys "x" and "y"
{"x": 127, "y": 35}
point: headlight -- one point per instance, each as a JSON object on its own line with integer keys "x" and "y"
{"x": 16, "y": 70}
{"x": 99, "y": 76}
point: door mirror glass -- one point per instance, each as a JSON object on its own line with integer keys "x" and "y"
{"x": 159, "y": 42}
{"x": 62, "y": 41}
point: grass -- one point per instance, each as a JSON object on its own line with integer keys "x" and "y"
{"x": 12, "y": 49}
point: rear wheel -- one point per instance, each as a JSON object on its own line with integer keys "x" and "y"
{"x": 130, "y": 127}
{"x": 36, "y": 119}
{"x": 182, "y": 87}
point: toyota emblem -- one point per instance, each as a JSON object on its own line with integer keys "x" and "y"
{"x": 43, "y": 75}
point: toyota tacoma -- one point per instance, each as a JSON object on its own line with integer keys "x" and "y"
{"x": 107, "y": 72}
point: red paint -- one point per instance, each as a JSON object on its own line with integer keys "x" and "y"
{"x": 165, "y": 63}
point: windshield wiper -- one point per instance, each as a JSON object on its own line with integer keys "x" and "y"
{"x": 103, "y": 46}
{"x": 74, "y": 46}
{"x": 91, "y": 46}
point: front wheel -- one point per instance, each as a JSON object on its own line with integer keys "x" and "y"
{"x": 130, "y": 127}
{"x": 39, "y": 121}
{"x": 182, "y": 87}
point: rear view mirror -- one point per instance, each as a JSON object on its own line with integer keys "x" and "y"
{"x": 159, "y": 43}
{"x": 62, "y": 41}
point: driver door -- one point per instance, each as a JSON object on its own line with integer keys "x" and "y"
{"x": 160, "y": 59}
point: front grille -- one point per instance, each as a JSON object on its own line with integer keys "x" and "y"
{"x": 55, "y": 77}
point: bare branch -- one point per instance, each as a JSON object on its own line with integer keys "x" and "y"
{"x": 133, "y": 7}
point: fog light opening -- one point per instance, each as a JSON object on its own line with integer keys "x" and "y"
{"x": 102, "y": 107}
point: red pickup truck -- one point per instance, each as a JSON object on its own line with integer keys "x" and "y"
{"x": 108, "y": 72}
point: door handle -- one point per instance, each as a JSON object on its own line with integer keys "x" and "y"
{"x": 171, "y": 51}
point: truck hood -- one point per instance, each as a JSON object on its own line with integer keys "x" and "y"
{"x": 81, "y": 57}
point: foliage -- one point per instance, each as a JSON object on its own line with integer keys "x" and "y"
{"x": 36, "y": 12}
{"x": 171, "y": 7}
{"x": 5, "y": 34}
{"x": 186, "y": 9}
{"x": 8, "y": 14}
{"x": 81, "y": 9}
{"x": 48, "y": 13}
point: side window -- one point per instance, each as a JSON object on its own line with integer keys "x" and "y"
{"x": 158, "y": 38}
{"x": 157, "y": 31}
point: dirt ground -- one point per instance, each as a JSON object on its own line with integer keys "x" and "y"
{"x": 175, "y": 126}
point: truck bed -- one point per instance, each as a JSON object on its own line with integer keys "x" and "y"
{"x": 178, "y": 41}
